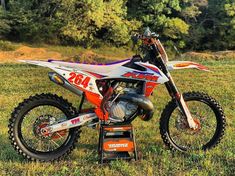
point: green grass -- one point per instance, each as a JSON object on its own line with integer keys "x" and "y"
{"x": 19, "y": 81}
{"x": 8, "y": 46}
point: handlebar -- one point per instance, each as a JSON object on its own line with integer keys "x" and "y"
{"x": 150, "y": 38}
{"x": 147, "y": 35}
{"x": 142, "y": 36}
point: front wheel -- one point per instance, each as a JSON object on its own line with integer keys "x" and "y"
{"x": 208, "y": 115}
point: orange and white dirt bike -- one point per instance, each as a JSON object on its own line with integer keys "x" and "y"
{"x": 46, "y": 127}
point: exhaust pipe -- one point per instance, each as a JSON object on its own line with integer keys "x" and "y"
{"x": 143, "y": 102}
{"x": 59, "y": 80}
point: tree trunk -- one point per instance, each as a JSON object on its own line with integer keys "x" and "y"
{"x": 3, "y": 4}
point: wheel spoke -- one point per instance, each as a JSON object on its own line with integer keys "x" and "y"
{"x": 182, "y": 135}
{"x": 55, "y": 143}
{"x": 38, "y": 118}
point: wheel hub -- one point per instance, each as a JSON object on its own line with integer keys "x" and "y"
{"x": 40, "y": 131}
{"x": 182, "y": 124}
{"x": 39, "y": 125}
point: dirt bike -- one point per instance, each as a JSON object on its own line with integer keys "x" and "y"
{"x": 46, "y": 127}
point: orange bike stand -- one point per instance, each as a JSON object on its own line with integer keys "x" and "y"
{"x": 116, "y": 142}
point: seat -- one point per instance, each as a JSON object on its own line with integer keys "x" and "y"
{"x": 95, "y": 68}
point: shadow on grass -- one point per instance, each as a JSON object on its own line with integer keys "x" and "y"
{"x": 80, "y": 146}
{"x": 148, "y": 148}
{"x": 7, "y": 152}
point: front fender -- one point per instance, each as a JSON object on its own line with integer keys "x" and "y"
{"x": 175, "y": 65}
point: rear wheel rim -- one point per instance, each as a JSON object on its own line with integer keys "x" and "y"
{"x": 40, "y": 144}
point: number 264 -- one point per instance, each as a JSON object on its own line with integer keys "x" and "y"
{"x": 79, "y": 79}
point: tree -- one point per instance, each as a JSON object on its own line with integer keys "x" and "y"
{"x": 161, "y": 16}
{"x": 89, "y": 20}
{"x": 213, "y": 27}
{"x": 4, "y": 24}
{"x": 32, "y": 20}
{"x": 191, "y": 24}
{"x": 3, "y": 4}
{"x": 229, "y": 8}
{"x": 192, "y": 14}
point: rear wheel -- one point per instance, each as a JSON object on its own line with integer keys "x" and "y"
{"x": 208, "y": 115}
{"x": 31, "y": 116}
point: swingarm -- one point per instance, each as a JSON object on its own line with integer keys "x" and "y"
{"x": 71, "y": 123}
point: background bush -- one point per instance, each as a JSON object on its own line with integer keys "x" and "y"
{"x": 188, "y": 24}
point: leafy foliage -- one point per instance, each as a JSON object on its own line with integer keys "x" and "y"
{"x": 190, "y": 24}
{"x": 211, "y": 27}
{"x": 160, "y": 16}
{"x": 31, "y": 20}
{"x": 7, "y": 46}
{"x": 4, "y": 24}
{"x": 87, "y": 20}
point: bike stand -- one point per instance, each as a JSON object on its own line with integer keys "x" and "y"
{"x": 116, "y": 142}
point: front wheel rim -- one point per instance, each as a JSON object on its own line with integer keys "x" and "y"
{"x": 185, "y": 138}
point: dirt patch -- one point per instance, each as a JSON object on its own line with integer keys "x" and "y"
{"x": 211, "y": 55}
{"x": 25, "y": 52}
{"x": 29, "y": 53}
{"x": 88, "y": 56}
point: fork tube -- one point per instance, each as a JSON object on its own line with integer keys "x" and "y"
{"x": 170, "y": 85}
{"x": 173, "y": 91}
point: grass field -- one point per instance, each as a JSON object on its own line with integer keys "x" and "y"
{"x": 19, "y": 81}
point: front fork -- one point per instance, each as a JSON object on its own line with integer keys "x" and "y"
{"x": 175, "y": 94}
{"x": 160, "y": 59}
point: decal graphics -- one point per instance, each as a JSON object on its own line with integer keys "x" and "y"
{"x": 79, "y": 79}
{"x": 75, "y": 121}
{"x": 149, "y": 86}
{"x": 143, "y": 76}
{"x": 118, "y": 145}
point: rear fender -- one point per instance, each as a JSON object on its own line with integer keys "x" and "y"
{"x": 61, "y": 70}
{"x": 73, "y": 76}
{"x": 39, "y": 63}
{"x": 176, "y": 65}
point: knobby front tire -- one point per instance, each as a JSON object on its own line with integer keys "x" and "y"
{"x": 206, "y": 111}
{"x": 23, "y": 138}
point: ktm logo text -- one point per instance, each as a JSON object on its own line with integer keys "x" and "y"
{"x": 140, "y": 76}
{"x": 117, "y": 145}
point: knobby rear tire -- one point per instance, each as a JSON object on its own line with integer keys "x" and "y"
{"x": 196, "y": 96}
{"x": 18, "y": 115}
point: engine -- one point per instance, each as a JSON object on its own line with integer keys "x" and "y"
{"x": 120, "y": 111}
{"x": 119, "y": 108}
{"x": 126, "y": 101}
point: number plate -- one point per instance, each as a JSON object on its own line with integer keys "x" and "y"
{"x": 79, "y": 79}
